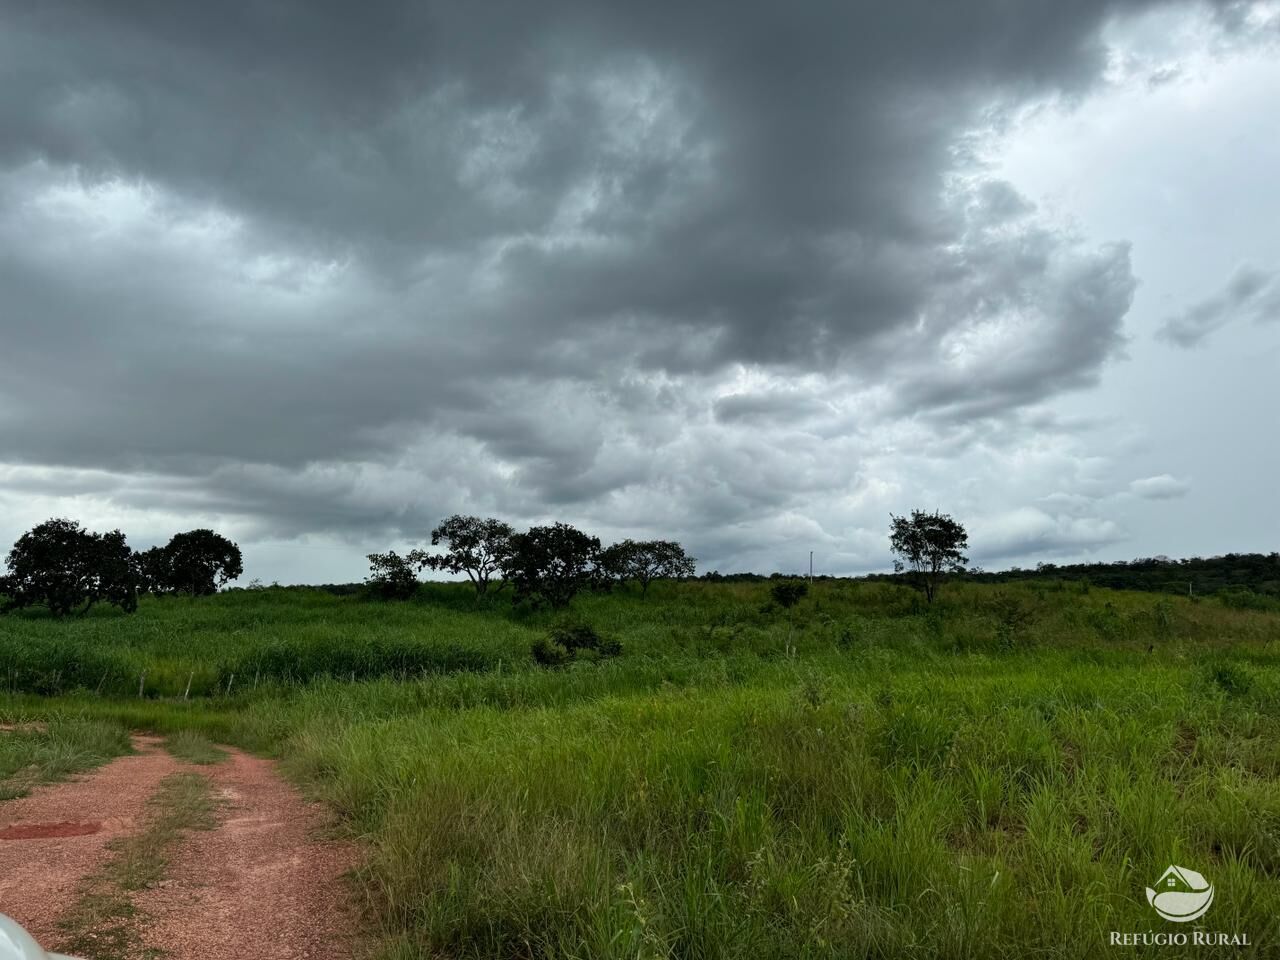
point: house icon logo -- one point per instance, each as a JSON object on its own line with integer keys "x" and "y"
{"x": 1181, "y": 895}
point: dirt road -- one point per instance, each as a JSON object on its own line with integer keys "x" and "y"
{"x": 265, "y": 883}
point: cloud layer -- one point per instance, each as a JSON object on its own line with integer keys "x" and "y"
{"x": 732, "y": 272}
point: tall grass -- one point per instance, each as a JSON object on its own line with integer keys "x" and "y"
{"x": 34, "y": 752}
{"x": 1000, "y": 775}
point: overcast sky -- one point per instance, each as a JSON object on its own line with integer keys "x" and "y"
{"x": 318, "y": 274}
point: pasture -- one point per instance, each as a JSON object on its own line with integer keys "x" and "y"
{"x": 998, "y": 774}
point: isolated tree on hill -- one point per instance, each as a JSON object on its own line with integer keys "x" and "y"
{"x": 61, "y": 565}
{"x": 198, "y": 562}
{"x": 928, "y": 544}
{"x": 393, "y": 577}
{"x": 645, "y": 561}
{"x": 478, "y": 547}
{"x": 552, "y": 564}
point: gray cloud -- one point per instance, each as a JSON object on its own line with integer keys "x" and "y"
{"x": 313, "y": 271}
{"x": 1162, "y": 487}
{"x": 1250, "y": 293}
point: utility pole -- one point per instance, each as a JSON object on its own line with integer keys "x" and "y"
{"x": 811, "y": 568}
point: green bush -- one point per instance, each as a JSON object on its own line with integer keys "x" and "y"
{"x": 573, "y": 639}
{"x": 788, "y": 593}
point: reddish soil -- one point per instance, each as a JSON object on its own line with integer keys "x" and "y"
{"x": 262, "y": 885}
{"x": 44, "y": 831}
{"x": 39, "y": 877}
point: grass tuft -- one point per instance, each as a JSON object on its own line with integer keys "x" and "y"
{"x": 32, "y": 753}
{"x": 194, "y": 747}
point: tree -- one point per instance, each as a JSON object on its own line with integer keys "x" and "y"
{"x": 551, "y": 564}
{"x": 930, "y": 544}
{"x": 478, "y": 547}
{"x": 645, "y": 561}
{"x": 197, "y": 562}
{"x": 393, "y": 577}
{"x": 61, "y": 565}
{"x": 152, "y": 570}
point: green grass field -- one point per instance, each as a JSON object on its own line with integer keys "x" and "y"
{"x": 1000, "y": 775}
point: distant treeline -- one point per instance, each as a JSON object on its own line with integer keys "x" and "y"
{"x": 1232, "y": 573}
{"x": 1258, "y": 573}
{"x": 1236, "y": 577}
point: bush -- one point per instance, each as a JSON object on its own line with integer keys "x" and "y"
{"x": 548, "y": 653}
{"x": 572, "y": 639}
{"x": 788, "y": 593}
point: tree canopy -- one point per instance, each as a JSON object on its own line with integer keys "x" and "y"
{"x": 478, "y": 547}
{"x": 61, "y": 565}
{"x": 393, "y": 577}
{"x": 551, "y": 564}
{"x": 197, "y": 562}
{"x": 644, "y": 561}
{"x": 929, "y": 545}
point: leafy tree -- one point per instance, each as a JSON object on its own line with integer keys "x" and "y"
{"x": 645, "y": 561}
{"x": 197, "y": 562}
{"x": 478, "y": 547}
{"x": 929, "y": 544}
{"x": 152, "y": 570}
{"x": 552, "y": 564}
{"x": 61, "y": 565}
{"x": 393, "y": 577}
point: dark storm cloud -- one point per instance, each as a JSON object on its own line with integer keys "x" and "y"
{"x": 261, "y": 249}
{"x": 1250, "y": 294}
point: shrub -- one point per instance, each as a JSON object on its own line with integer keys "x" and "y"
{"x": 571, "y": 639}
{"x": 548, "y": 653}
{"x": 788, "y": 593}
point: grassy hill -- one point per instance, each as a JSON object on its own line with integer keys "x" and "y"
{"x": 998, "y": 775}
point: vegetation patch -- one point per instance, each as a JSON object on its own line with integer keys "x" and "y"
{"x": 573, "y": 639}
{"x": 194, "y": 747}
{"x": 999, "y": 773}
{"x": 35, "y": 753}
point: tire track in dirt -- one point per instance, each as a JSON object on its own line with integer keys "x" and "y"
{"x": 59, "y": 833}
{"x": 262, "y": 884}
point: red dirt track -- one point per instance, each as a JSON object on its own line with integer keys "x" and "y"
{"x": 263, "y": 885}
